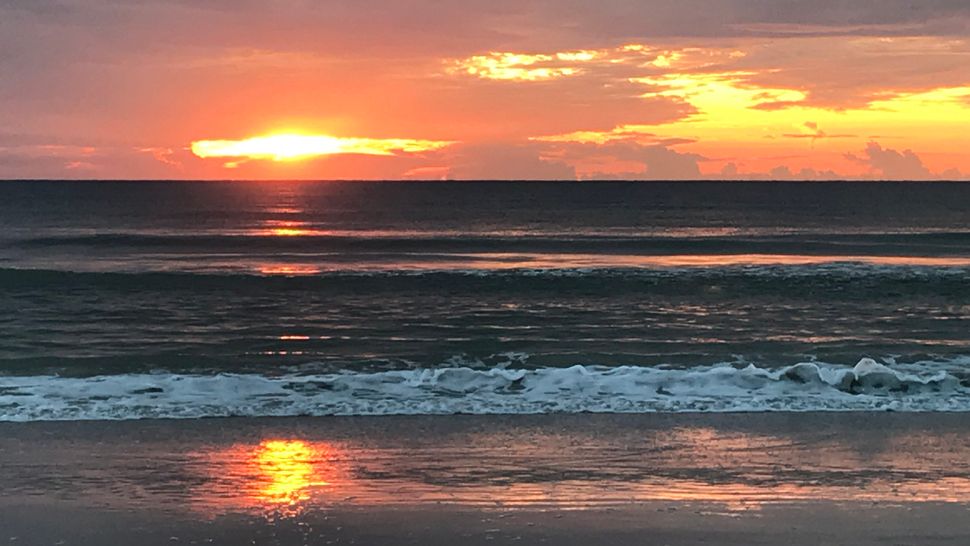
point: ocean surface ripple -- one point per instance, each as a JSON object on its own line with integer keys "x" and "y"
{"x": 177, "y": 300}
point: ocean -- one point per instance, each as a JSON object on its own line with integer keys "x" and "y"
{"x": 131, "y": 300}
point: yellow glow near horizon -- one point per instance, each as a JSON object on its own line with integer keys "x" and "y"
{"x": 718, "y": 93}
{"x": 744, "y": 109}
{"x": 292, "y": 147}
{"x": 739, "y": 119}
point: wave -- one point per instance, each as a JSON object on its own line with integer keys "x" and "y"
{"x": 867, "y": 282}
{"x": 804, "y": 387}
{"x": 952, "y": 244}
{"x": 801, "y": 266}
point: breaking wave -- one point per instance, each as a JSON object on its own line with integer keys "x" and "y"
{"x": 804, "y": 387}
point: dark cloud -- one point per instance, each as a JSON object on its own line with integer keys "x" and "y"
{"x": 635, "y": 19}
{"x": 95, "y": 29}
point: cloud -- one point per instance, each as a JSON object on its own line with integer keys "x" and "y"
{"x": 811, "y": 130}
{"x": 163, "y": 155}
{"x": 837, "y": 73}
{"x": 663, "y": 163}
{"x": 772, "y": 106}
{"x": 86, "y": 161}
{"x": 892, "y": 164}
{"x": 841, "y": 73}
{"x": 625, "y": 60}
{"x": 954, "y": 174}
{"x": 731, "y": 171}
{"x": 631, "y": 160}
{"x": 430, "y": 172}
{"x": 780, "y": 173}
{"x": 507, "y": 162}
{"x": 626, "y": 160}
{"x": 523, "y": 67}
{"x": 37, "y": 160}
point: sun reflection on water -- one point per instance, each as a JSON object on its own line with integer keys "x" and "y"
{"x": 285, "y": 228}
{"x": 287, "y": 270}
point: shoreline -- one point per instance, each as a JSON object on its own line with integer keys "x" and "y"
{"x": 298, "y": 421}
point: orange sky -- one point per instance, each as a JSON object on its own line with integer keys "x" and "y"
{"x": 527, "y": 89}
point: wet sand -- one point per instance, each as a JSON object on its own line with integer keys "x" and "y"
{"x": 816, "y": 524}
{"x": 579, "y": 479}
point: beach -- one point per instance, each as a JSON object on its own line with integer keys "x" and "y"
{"x": 484, "y": 363}
{"x": 808, "y": 524}
{"x": 779, "y": 478}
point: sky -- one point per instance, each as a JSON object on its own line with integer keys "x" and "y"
{"x": 485, "y": 89}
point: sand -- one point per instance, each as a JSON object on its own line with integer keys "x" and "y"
{"x": 746, "y": 479}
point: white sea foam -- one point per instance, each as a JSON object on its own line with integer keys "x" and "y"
{"x": 869, "y": 386}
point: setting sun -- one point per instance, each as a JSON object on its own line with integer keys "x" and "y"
{"x": 290, "y": 147}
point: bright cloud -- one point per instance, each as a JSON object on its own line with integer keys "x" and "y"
{"x": 532, "y": 67}
{"x": 522, "y": 66}
{"x": 511, "y": 66}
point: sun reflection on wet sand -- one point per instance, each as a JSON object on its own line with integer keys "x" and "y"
{"x": 734, "y": 471}
{"x": 288, "y": 469}
{"x": 274, "y": 477}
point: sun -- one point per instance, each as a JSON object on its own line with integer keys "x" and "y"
{"x": 295, "y": 147}
{"x": 284, "y": 147}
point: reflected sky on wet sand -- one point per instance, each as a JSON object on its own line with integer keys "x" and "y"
{"x": 274, "y": 469}
{"x": 284, "y": 468}
{"x": 737, "y": 471}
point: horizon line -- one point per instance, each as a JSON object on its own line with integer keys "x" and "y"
{"x": 491, "y": 181}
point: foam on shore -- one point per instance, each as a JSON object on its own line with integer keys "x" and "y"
{"x": 868, "y": 386}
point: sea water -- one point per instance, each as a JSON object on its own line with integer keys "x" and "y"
{"x": 123, "y": 300}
